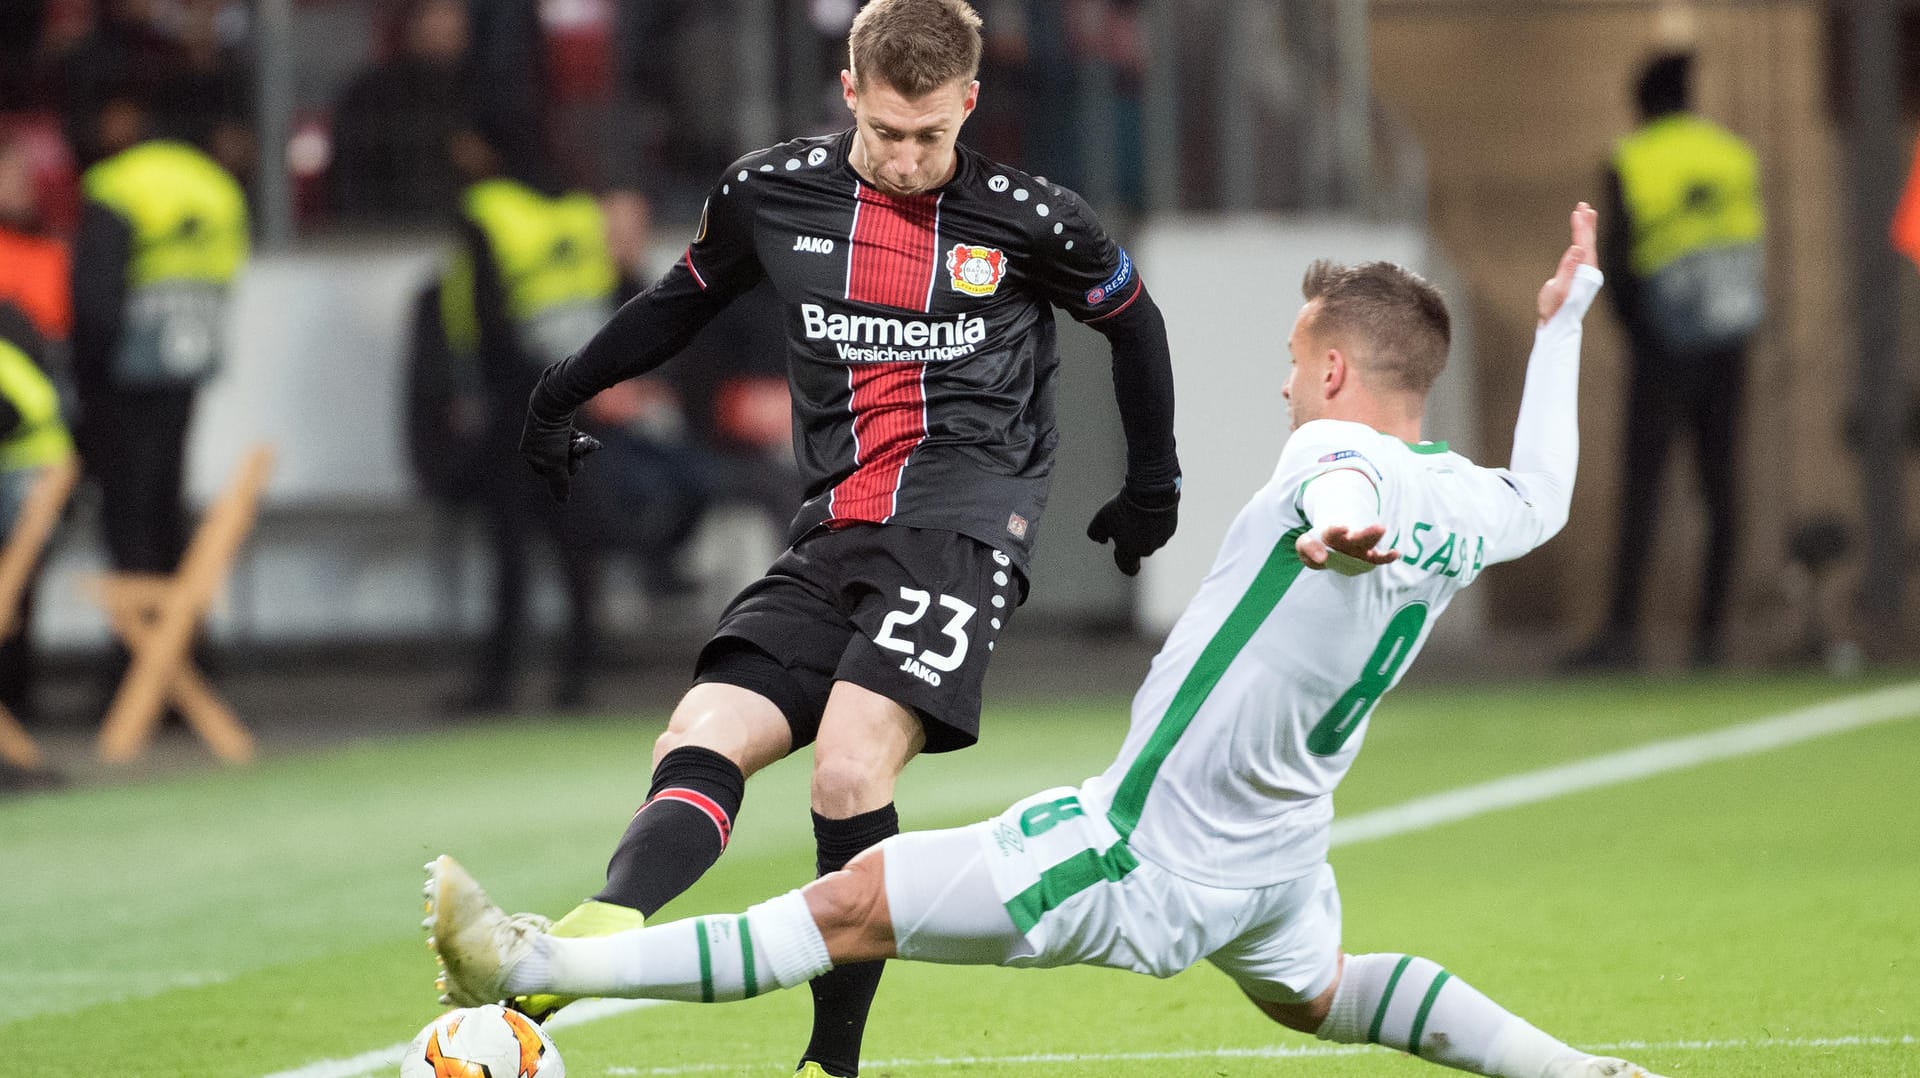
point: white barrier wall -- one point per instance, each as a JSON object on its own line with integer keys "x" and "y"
{"x": 1230, "y": 289}
{"x": 315, "y": 364}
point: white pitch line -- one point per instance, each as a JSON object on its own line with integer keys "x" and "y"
{"x": 587, "y": 1010}
{"x": 1631, "y": 765}
{"x": 1277, "y": 1051}
{"x": 1611, "y": 769}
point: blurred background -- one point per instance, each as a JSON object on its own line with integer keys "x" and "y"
{"x": 1227, "y": 142}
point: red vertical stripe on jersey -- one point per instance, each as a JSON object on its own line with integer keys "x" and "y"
{"x": 892, "y": 257}
{"x": 894, "y": 251}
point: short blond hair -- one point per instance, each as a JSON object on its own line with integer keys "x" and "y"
{"x": 1396, "y": 312}
{"x": 914, "y": 46}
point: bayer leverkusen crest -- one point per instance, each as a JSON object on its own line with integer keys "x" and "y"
{"x": 976, "y": 270}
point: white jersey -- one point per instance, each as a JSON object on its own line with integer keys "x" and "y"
{"x": 1256, "y": 706}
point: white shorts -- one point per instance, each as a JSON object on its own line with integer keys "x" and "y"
{"x": 1047, "y": 884}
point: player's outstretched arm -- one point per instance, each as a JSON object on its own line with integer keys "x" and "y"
{"x": 1143, "y": 515}
{"x": 1546, "y": 438}
{"x": 1086, "y": 274}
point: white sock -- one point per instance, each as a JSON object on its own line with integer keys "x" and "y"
{"x": 698, "y": 960}
{"x": 1413, "y": 1005}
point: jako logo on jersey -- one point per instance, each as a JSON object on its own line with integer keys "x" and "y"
{"x": 976, "y": 270}
{"x": 919, "y": 670}
{"x": 819, "y": 245}
{"x": 1097, "y": 296}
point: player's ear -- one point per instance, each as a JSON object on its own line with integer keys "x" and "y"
{"x": 973, "y": 98}
{"x": 849, "y": 89}
{"x": 1338, "y": 370}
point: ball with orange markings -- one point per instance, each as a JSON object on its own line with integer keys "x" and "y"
{"x": 482, "y": 1042}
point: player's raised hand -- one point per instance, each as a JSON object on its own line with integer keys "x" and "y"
{"x": 1582, "y": 252}
{"x": 1346, "y": 551}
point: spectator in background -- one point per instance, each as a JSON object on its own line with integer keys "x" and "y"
{"x": 1683, "y": 251}
{"x": 35, "y": 318}
{"x": 33, "y": 265}
{"x": 1904, "y": 232}
{"x": 21, "y": 24}
{"x": 509, "y": 55}
{"x": 679, "y": 76}
{"x": 125, "y": 54}
{"x": 163, "y": 234}
{"x": 33, "y": 438}
{"x": 661, "y": 481}
{"x": 395, "y": 124}
{"x": 206, "y": 99}
{"x": 446, "y": 405}
{"x": 530, "y": 282}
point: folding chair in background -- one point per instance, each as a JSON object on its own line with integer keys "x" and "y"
{"x": 38, "y": 515}
{"x": 155, "y": 614}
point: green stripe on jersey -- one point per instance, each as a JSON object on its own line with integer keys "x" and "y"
{"x": 1269, "y": 585}
{"x": 706, "y": 961}
{"x": 746, "y": 960}
{"x": 1420, "y": 1016}
{"x": 1386, "y": 997}
{"x": 1069, "y": 878}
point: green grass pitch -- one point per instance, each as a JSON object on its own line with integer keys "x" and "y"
{"x": 1755, "y": 916}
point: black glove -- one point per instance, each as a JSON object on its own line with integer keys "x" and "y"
{"x": 555, "y": 450}
{"x": 1138, "y": 522}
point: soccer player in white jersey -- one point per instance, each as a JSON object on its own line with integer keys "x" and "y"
{"x": 1207, "y": 837}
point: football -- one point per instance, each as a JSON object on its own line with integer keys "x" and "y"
{"x": 482, "y": 1042}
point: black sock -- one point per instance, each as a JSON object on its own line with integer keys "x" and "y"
{"x": 842, "y": 997}
{"x": 679, "y": 833}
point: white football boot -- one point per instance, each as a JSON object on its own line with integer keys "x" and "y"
{"x": 476, "y": 943}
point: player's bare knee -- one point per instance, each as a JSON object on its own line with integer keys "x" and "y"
{"x": 843, "y": 900}
{"x": 669, "y": 740}
{"x": 846, "y": 783}
{"x": 1307, "y": 1015}
{"x": 1304, "y": 1017}
{"x": 850, "y": 908}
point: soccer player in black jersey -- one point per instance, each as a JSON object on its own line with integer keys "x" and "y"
{"x": 917, "y": 278}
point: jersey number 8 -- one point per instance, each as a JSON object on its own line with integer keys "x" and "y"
{"x": 1330, "y": 734}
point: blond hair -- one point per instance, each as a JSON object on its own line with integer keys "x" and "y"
{"x": 1395, "y": 312}
{"x": 914, "y": 46}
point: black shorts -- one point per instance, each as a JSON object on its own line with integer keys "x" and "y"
{"x": 910, "y": 613}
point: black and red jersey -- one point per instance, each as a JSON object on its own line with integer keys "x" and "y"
{"x": 919, "y": 337}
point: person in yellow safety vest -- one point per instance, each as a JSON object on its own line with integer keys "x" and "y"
{"x": 163, "y": 234}
{"x": 530, "y": 280}
{"x": 1684, "y": 256}
{"x": 33, "y": 438}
